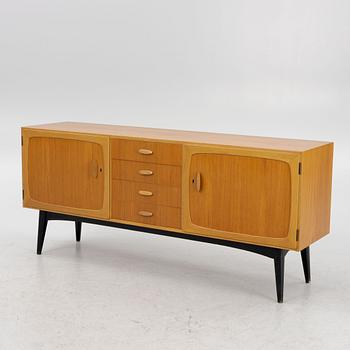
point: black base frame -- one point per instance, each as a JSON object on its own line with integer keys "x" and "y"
{"x": 278, "y": 255}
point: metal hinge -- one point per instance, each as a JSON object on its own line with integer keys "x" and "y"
{"x": 21, "y": 140}
{"x": 300, "y": 168}
{"x": 23, "y": 194}
{"x": 297, "y": 237}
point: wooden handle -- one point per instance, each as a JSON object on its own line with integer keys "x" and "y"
{"x": 146, "y": 172}
{"x": 93, "y": 168}
{"x": 198, "y": 182}
{"x": 145, "y": 151}
{"x": 145, "y": 193}
{"x": 145, "y": 213}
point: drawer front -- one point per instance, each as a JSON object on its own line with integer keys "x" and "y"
{"x": 146, "y": 193}
{"x": 166, "y": 175}
{"x": 145, "y": 151}
{"x": 140, "y": 212}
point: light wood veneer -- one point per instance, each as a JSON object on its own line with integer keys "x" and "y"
{"x": 58, "y": 173}
{"x": 249, "y": 195}
{"x": 266, "y": 191}
{"x": 141, "y": 212}
{"x": 146, "y": 151}
{"x": 181, "y": 136}
{"x": 159, "y": 174}
{"x": 65, "y": 172}
{"x": 148, "y": 193}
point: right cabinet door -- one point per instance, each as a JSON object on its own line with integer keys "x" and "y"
{"x": 243, "y": 195}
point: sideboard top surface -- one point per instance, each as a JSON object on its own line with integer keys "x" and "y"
{"x": 269, "y": 143}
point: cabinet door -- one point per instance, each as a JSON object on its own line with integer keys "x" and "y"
{"x": 66, "y": 172}
{"x": 244, "y": 195}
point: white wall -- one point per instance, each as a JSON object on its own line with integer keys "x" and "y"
{"x": 257, "y": 67}
{"x": 275, "y": 68}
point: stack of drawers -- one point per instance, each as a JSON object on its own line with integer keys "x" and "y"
{"x": 146, "y": 182}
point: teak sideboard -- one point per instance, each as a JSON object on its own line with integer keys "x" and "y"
{"x": 264, "y": 195}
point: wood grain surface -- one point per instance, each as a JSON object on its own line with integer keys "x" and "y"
{"x": 181, "y": 136}
{"x": 146, "y": 193}
{"x": 233, "y": 187}
{"x": 162, "y": 216}
{"x": 145, "y": 151}
{"x": 315, "y": 195}
{"x": 167, "y": 175}
{"x": 241, "y": 194}
{"x": 66, "y": 173}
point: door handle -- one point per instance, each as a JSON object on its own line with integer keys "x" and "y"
{"x": 93, "y": 168}
{"x": 198, "y": 181}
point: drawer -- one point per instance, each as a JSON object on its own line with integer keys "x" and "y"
{"x": 146, "y": 193}
{"x": 146, "y": 151}
{"x": 167, "y": 175}
{"x": 140, "y": 212}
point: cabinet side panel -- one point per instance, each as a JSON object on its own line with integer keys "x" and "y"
{"x": 315, "y": 194}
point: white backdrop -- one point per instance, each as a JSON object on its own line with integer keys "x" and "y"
{"x": 273, "y": 68}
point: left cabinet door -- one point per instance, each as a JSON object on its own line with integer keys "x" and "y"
{"x": 66, "y": 172}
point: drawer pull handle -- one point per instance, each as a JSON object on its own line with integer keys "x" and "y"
{"x": 146, "y": 172}
{"x": 145, "y": 213}
{"x": 145, "y": 193}
{"x": 145, "y": 151}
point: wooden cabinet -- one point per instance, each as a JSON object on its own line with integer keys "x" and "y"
{"x": 265, "y": 195}
{"x": 266, "y": 191}
{"x": 65, "y": 172}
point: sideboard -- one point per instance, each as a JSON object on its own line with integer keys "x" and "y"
{"x": 260, "y": 194}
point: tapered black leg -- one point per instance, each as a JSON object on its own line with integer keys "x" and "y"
{"x": 277, "y": 254}
{"x": 305, "y": 257}
{"x": 43, "y": 217}
{"x": 279, "y": 274}
{"x": 78, "y": 230}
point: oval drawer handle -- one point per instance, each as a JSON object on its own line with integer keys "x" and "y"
{"x": 145, "y": 193}
{"x": 145, "y": 213}
{"x": 145, "y": 151}
{"x": 145, "y": 172}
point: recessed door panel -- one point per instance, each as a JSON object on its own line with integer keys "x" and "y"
{"x": 248, "y": 195}
{"x": 244, "y": 195}
{"x": 66, "y": 173}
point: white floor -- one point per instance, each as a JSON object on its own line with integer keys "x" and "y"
{"x": 127, "y": 290}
